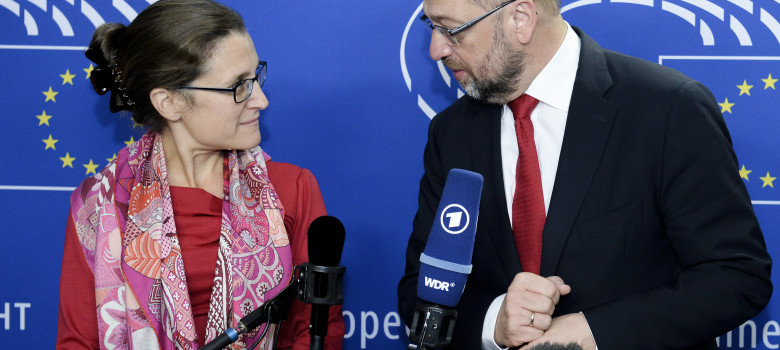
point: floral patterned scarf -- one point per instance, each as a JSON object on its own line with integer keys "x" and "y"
{"x": 124, "y": 220}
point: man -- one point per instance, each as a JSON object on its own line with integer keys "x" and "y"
{"x": 632, "y": 227}
{"x": 556, "y": 346}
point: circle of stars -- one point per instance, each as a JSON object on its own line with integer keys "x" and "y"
{"x": 45, "y": 119}
{"x": 726, "y": 108}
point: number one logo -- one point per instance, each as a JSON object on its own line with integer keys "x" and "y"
{"x": 454, "y": 219}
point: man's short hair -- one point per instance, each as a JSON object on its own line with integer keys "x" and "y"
{"x": 556, "y": 346}
{"x": 552, "y": 6}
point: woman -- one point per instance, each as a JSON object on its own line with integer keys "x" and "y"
{"x": 192, "y": 227}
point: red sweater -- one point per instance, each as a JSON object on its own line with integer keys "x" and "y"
{"x": 198, "y": 217}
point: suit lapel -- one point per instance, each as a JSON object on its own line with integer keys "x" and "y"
{"x": 587, "y": 129}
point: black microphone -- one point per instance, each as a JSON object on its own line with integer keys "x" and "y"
{"x": 446, "y": 261}
{"x": 322, "y": 278}
{"x": 272, "y": 311}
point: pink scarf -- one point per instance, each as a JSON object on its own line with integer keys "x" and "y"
{"x": 125, "y": 224}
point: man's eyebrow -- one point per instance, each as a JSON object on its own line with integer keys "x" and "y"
{"x": 439, "y": 18}
{"x": 449, "y": 20}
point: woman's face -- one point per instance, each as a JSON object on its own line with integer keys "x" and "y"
{"x": 214, "y": 121}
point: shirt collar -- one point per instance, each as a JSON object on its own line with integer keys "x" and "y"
{"x": 554, "y": 84}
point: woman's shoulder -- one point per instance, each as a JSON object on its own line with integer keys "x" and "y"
{"x": 294, "y": 185}
{"x": 287, "y": 172}
{"x": 91, "y": 185}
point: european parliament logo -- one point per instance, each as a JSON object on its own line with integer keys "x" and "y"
{"x": 423, "y": 77}
{"x": 57, "y": 129}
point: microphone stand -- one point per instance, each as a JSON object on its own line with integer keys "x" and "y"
{"x": 435, "y": 330}
{"x": 311, "y": 291}
{"x": 272, "y": 311}
{"x": 304, "y": 288}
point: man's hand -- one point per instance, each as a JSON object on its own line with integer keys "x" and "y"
{"x": 566, "y": 329}
{"x": 527, "y": 308}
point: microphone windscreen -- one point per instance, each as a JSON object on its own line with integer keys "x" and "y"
{"x": 326, "y": 241}
{"x": 446, "y": 261}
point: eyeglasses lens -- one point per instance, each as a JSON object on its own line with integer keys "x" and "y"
{"x": 261, "y": 75}
{"x": 244, "y": 90}
{"x": 430, "y": 27}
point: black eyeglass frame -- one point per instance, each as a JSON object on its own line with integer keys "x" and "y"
{"x": 260, "y": 74}
{"x": 450, "y": 33}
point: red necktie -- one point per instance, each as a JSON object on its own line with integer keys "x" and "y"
{"x": 528, "y": 204}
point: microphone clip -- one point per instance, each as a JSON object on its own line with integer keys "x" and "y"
{"x": 311, "y": 292}
{"x": 272, "y": 311}
{"x": 432, "y": 327}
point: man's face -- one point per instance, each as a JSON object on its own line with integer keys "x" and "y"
{"x": 483, "y": 61}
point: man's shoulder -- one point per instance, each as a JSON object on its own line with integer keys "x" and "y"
{"x": 465, "y": 108}
{"x": 623, "y": 67}
{"x": 626, "y": 69}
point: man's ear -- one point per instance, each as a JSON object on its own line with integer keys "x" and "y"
{"x": 524, "y": 20}
{"x": 166, "y": 103}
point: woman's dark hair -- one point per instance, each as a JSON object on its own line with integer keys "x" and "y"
{"x": 166, "y": 47}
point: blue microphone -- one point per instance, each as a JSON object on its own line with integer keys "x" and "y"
{"x": 446, "y": 261}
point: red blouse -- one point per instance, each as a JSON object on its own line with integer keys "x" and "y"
{"x": 198, "y": 216}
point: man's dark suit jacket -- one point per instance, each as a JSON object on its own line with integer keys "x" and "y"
{"x": 649, "y": 221}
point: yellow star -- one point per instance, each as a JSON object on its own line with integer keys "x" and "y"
{"x": 768, "y": 180}
{"x": 67, "y": 160}
{"x": 744, "y": 88}
{"x": 89, "y": 70}
{"x": 67, "y": 77}
{"x": 769, "y": 82}
{"x": 136, "y": 125}
{"x": 50, "y": 143}
{"x": 130, "y": 142}
{"x": 726, "y": 106}
{"x": 44, "y": 119}
{"x": 111, "y": 159}
{"x": 90, "y": 167}
{"x": 50, "y": 95}
{"x": 743, "y": 173}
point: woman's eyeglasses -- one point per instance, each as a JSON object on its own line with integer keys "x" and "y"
{"x": 243, "y": 89}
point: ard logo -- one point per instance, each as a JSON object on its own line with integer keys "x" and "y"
{"x": 454, "y": 219}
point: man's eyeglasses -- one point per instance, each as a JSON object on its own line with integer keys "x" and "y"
{"x": 450, "y": 33}
{"x": 242, "y": 89}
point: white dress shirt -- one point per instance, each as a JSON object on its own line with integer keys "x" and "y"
{"x": 553, "y": 88}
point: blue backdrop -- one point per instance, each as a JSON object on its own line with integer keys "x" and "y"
{"x": 351, "y": 90}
